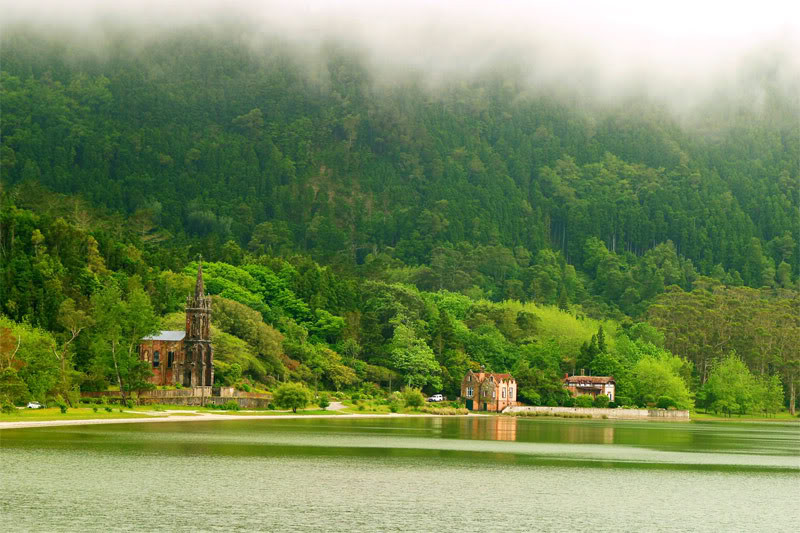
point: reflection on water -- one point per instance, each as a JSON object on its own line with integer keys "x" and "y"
{"x": 488, "y": 428}
{"x": 401, "y": 474}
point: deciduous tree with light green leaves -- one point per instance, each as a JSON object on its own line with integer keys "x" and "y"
{"x": 660, "y": 375}
{"x": 731, "y": 388}
{"x": 414, "y": 359}
{"x": 292, "y": 396}
{"x": 120, "y": 325}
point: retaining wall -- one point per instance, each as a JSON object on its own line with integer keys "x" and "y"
{"x": 195, "y": 396}
{"x": 618, "y": 414}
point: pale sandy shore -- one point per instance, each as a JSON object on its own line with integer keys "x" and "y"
{"x": 199, "y": 417}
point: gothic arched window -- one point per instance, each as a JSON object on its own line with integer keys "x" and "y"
{"x": 155, "y": 359}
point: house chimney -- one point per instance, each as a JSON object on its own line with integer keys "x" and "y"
{"x": 566, "y": 375}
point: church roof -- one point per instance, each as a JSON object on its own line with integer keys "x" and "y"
{"x": 166, "y": 336}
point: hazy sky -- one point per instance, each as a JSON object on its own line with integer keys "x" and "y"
{"x": 677, "y": 46}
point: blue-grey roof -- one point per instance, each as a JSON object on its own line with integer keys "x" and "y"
{"x": 167, "y": 336}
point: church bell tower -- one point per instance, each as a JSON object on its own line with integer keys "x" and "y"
{"x": 198, "y": 367}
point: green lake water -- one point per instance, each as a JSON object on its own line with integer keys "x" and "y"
{"x": 402, "y": 474}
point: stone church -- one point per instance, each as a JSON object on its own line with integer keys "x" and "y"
{"x": 184, "y": 357}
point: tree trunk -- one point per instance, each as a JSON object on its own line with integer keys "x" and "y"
{"x": 791, "y": 395}
{"x": 116, "y": 370}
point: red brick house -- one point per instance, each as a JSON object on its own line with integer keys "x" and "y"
{"x": 592, "y": 385}
{"x": 486, "y": 391}
{"x": 184, "y": 357}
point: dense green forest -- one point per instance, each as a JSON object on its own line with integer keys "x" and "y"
{"x": 364, "y": 234}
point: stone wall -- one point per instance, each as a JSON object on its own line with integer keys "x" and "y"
{"x": 617, "y": 414}
{"x": 195, "y": 396}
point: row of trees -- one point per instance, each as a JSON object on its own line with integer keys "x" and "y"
{"x": 279, "y": 320}
{"x": 707, "y": 323}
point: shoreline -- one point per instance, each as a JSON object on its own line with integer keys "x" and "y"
{"x": 200, "y": 417}
{"x": 196, "y": 418}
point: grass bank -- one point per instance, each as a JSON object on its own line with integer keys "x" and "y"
{"x": 77, "y": 413}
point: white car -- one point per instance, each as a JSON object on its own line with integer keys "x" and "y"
{"x": 34, "y": 405}
{"x": 436, "y": 398}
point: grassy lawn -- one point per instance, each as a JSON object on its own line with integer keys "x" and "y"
{"x": 54, "y": 413}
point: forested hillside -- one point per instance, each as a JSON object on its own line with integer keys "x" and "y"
{"x": 359, "y": 231}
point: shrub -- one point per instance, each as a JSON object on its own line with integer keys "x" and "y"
{"x": 665, "y": 402}
{"x": 178, "y": 386}
{"x": 129, "y": 403}
{"x": 445, "y": 410}
{"x": 361, "y": 407}
{"x": 584, "y": 400}
{"x": 59, "y": 401}
{"x": 371, "y": 390}
{"x": 94, "y": 408}
{"x": 623, "y": 400}
{"x": 601, "y": 401}
{"x": 355, "y": 396}
{"x": 612, "y": 405}
{"x": 292, "y": 396}
{"x": 231, "y": 405}
{"x": 108, "y": 408}
{"x": 413, "y": 398}
{"x": 271, "y": 406}
{"x": 394, "y": 406}
{"x": 323, "y": 401}
{"x": 7, "y": 408}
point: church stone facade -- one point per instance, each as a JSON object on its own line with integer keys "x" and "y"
{"x": 184, "y": 357}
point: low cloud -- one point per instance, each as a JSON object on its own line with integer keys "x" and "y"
{"x": 678, "y": 51}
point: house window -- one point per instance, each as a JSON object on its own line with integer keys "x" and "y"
{"x": 469, "y": 378}
{"x": 503, "y": 393}
{"x": 494, "y": 394}
{"x": 469, "y": 392}
{"x": 155, "y": 359}
{"x": 170, "y": 359}
{"x": 147, "y": 356}
{"x": 511, "y": 393}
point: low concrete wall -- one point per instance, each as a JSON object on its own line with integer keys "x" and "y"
{"x": 244, "y": 403}
{"x": 618, "y": 414}
{"x": 195, "y": 396}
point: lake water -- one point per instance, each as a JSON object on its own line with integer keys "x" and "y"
{"x": 402, "y": 474}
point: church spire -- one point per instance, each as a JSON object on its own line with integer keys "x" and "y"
{"x": 198, "y": 288}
